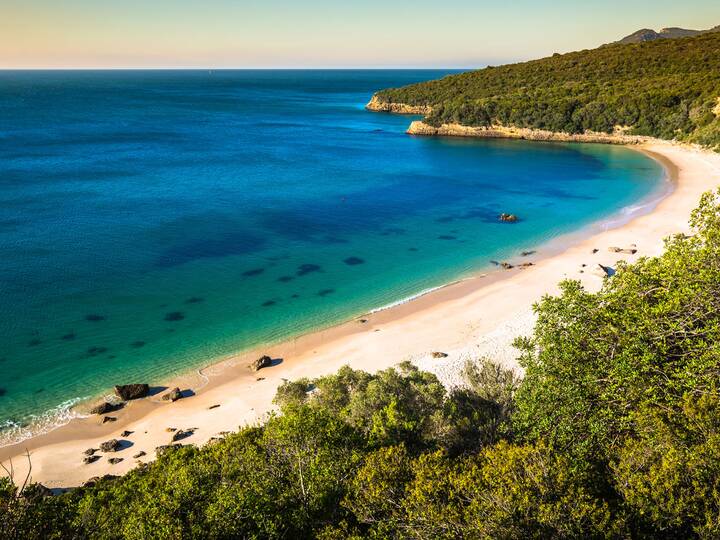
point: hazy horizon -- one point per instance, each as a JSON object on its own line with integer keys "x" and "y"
{"x": 319, "y": 34}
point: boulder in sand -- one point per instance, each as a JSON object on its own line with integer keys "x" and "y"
{"x": 173, "y": 395}
{"x": 105, "y": 408}
{"x": 439, "y": 355}
{"x": 113, "y": 445}
{"x": 262, "y": 362}
{"x": 126, "y": 392}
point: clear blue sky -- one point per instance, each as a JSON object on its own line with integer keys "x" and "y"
{"x": 322, "y": 33}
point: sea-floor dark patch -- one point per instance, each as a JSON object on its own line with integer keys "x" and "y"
{"x": 137, "y": 344}
{"x": 174, "y": 316}
{"x": 325, "y": 292}
{"x": 34, "y": 342}
{"x": 413, "y": 249}
{"x": 94, "y": 317}
{"x": 295, "y": 296}
{"x": 94, "y": 351}
{"x": 447, "y": 237}
{"x": 194, "y": 300}
{"x": 3, "y": 391}
{"x": 285, "y": 279}
{"x": 68, "y": 337}
{"x": 445, "y": 219}
{"x": 39, "y": 391}
{"x": 393, "y": 231}
{"x": 268, "y": 303}
{"x": 353, "y": 261}
{"x": 253, "y": 272}
{"x": 335, "y": 240}
{"x": 305, "y": 269}
{"x": 213, "y": 244}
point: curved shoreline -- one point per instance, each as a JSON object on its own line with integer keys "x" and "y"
{"x": 453, "y": 319}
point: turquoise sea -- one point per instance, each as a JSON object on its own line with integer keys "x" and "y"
{"x": 153, "y": 220}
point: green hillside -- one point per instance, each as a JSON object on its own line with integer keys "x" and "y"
{"x": 666, "y": 88}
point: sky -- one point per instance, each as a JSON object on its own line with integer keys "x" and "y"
{"x": 321, "y": 33}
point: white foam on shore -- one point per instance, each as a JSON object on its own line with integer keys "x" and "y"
{"x": 13, "y": 432}
{"x": 412, "y": 297}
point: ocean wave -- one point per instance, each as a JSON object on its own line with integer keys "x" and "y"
{"x": 412, "y": 297}
{"x": 13, "y": 432}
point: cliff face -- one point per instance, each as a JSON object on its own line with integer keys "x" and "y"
{"x": 398, "y": 108}
{"x": 504, "y": 132}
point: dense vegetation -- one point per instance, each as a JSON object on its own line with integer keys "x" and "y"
{"x": 614, "y": 432}
{"x": 667, "y": 88}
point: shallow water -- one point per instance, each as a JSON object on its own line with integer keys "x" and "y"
{"x": 150, "y": 221}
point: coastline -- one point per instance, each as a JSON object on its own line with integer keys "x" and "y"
{"x": 461, "y": 319}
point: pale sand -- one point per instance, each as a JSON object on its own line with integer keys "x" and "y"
{"x": 479, "y": 316}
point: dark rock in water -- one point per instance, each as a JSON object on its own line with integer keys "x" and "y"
{"x": 94, "y": 351}
{"x": 115, "y": 460}
{"x": 439, "y": 355}
{"x": 94, "y": 318}
{"x": 262, "y": 362}
{"x": 354, "y": 261}
{"x": 325, "y": 292}
{"x": 305, "y": 269}
{"x": 107, "y": 419}
{"x": 126, "y": 392}
{"x": 194, "y": 300}
{"x": 34, "y": 342}
{"x": 508, "y": 218}
{"x": 527, "y": 253}
{"x": 90, "y": 459}
{"x": 285, "y": 279}
{"x": 39, "y": 390}
{"x": 105, "y": 407}
{"x": 506, "y": 265}
{"x": 447, "y": 237}
{"x": 2, "y": 391}
{"x": 90, "y": 451}
{"x": 140, "y": 454}
{"x": 126, "y": 433}
{"x": 68, "y": 337}
{"x": 137, "y": 344}
{"x": 182, "y": 434}
{"x": 253, "y": 272}
{"x": 295, "y": 296}
{"x": 173, "y": 395}
{"x": 174, "y": 316}
{"x": 113, "y": 445}
{"x": 496, "y": 263}
{"x": 268, "y": 303}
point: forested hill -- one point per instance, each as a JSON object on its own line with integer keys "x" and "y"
{"x": 667, "y": 88}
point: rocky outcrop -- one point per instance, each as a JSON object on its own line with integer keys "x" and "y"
{"x": 508, "y": 218}
{"x": 377, "y": 105}
{"x": 503, "y": 132}
{"x": 439, "y": 355}
{"x": 127, "y": 392}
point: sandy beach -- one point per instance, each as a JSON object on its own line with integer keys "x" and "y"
{"x": 480, "y": 316}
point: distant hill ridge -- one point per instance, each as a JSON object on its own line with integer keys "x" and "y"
{"x": 663, "y": 88}
{"x": 647, "y": 34}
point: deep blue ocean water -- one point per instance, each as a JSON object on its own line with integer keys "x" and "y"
{"x": 150, "y": 221}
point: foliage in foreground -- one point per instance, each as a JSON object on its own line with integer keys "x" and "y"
{"x": 614, "y": 432}
{"x": 668, "y": 88}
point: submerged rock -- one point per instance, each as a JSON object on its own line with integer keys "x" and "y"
{"x": 174, "y": 316}
{"x": 127, "y": 392}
